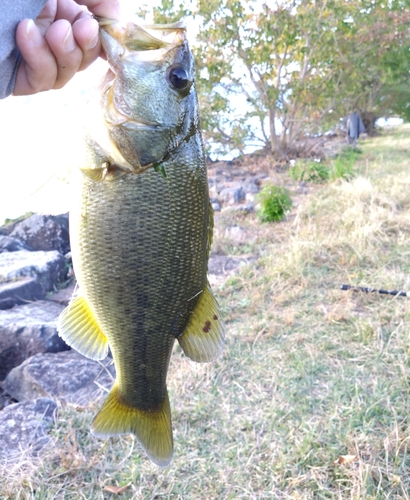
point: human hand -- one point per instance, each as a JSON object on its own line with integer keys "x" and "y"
{"x": 62, "y": 40}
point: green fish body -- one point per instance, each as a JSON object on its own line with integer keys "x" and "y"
{"x": 141, "y": 230}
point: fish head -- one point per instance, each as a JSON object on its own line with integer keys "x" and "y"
{"x": 148, "y": 96}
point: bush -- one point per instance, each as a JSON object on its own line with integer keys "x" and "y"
{"x": 274, "y": 203}
{"x": 342, "y": 165}
{"x": 310, "y": 171}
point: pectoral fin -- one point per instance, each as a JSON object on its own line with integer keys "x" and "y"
{"x": 78, "y": 328}
{"x": 152, "y": 428}
{"x": 203, "y": 338}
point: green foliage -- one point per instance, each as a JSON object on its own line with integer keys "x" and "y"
{"x": 274, "y": 203}
{"x": 309, "y": 171}
{"x": 343, "y": 165}
{"x": 294, "y": 67}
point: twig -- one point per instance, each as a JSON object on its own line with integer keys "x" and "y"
{"x": 376, "y": 290}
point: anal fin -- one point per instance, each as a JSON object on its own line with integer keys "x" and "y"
{"x": 78, "y": 328}
{"x": 203, "y": 337}
{"x": 152, "y": 428}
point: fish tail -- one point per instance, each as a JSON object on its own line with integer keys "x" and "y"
{"x": 152, "y": 428}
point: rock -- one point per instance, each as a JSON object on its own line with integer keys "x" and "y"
{"x": 224, "y": 264}
{"x": 232, "y": 195}
{"x": 251, "y": 187}
{"x": 20, "y": 291}
{"x": 64, "y": 295}
{"x": 44, "y": 232}
{"x": 5, "y": 399}
{"x": 66, "y": 376}
{"x": 49, "y": 267}
{"x": 7, "y": 228}
{"x": 24, "y": 425}
{"x": 243, "y": 207}
{"x": 215, "y": 205}
{"x": 27, "y": 330}
{"x": 8, "y": 244}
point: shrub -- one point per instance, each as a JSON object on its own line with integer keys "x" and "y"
{"x": 274, "y": 203}
{"x": 310, "y": 171}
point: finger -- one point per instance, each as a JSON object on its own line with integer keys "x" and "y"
{"x": 67, "y": 53}
{"x": 38, "y": 70}
{"x": 86, "y": 34}
{"x": 103, "y": 8}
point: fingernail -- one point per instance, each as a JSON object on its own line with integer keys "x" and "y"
{"x": 33, "y": 34}
{"x": 94, "y": 38}
{"x": 69, "y": 42}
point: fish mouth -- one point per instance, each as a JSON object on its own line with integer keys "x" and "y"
{"x": 158, "y": 39}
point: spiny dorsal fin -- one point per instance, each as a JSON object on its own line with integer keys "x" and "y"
{"x": 79, "y": 329}
{"x": 203, "y": 338}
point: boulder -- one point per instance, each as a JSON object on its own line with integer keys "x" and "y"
{"x": 44, "y": 232}
{"x": 48, "y": 267}
{"x": 8, "y": 244}
{"x": 27, "y": 330}
{"x": 67, "y": 376}
{"x": 24, "y": 425}
{"x": 251, "y": 187}
{"x": 20, "y": 291}
{"x": 234, "y": 194}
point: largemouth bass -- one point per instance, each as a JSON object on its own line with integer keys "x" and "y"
{"x": 141, "y": 231}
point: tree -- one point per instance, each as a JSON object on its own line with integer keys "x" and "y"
{"x": 295, "y": 67}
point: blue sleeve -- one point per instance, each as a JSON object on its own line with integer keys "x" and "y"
{"x": 12, "y": 12}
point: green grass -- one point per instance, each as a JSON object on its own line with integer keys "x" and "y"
{"x": 309, "y": 372}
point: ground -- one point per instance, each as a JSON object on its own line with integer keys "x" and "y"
{"x": 310, "y": 398}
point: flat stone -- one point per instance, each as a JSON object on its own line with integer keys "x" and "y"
{"x": 67, "y": 376}
{"x": 44, "y": 232}
{"x": 48, "y": 267}
{"x": 25, "y": 425}
{"x": 21, "y": 291}
{"x": 27, "y": 330}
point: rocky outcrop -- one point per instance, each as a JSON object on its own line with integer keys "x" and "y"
{"x": 44, "y": 232}
{"x": 27, "y": 330}
{"x": 47, "y": 267}
{"x": 8, "y": 244}
{"x": 20, "y": 291}
{"x": 24, "y": 425}
{"x": 67, "y": 376}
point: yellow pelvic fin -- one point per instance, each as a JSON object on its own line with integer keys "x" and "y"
{"x": 152, "y": 428}
{"x": 203, "y": 338}
{"x": 79, "y": 329}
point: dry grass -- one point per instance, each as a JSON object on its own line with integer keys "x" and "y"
{"x": 309, "y": 373}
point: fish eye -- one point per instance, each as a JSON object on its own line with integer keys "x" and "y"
{"x": 178, "y": 77}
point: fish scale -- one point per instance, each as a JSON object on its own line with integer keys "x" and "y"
{"x": 140, "y": 236}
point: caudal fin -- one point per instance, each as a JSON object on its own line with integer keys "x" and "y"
{"x": 152, "y": 428}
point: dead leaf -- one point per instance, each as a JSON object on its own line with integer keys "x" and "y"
{"x": 117, "y": 490}
{"x": 346, "y": 459}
